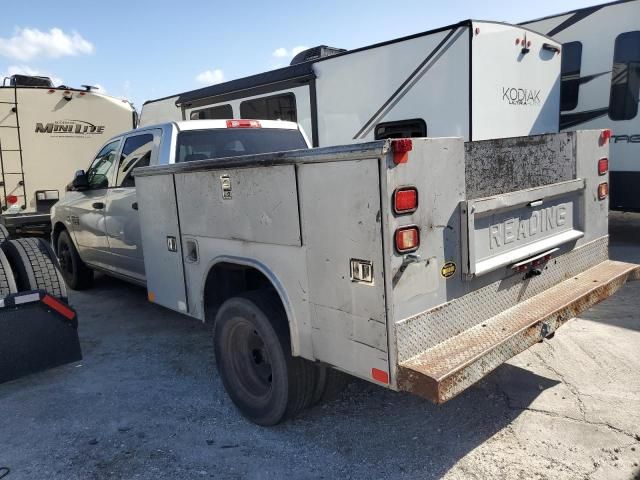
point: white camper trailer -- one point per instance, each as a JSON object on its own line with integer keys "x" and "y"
{"x": 475, "y": 80}
{"x": 601, "y": 84}
{"x": 46, "y": 133}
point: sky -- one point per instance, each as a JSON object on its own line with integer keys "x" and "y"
{"x": 141, "y": 50}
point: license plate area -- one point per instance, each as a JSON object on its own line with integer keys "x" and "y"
{"x": 502, "y": 230}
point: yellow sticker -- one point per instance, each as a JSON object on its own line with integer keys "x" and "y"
{"x": 448, "y": 269}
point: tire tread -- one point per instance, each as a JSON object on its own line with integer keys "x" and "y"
{"x": 302, "y": 373}
{"x": 35, "y": 266}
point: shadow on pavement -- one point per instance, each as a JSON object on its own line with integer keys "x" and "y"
{"x": 146, "y": 401}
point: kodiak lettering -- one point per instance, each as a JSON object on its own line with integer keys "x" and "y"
{"x": 520, "y": 96}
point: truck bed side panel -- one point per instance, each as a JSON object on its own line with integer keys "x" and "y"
{"x": 341, "y": 222}
{"x": 257, "y": 204}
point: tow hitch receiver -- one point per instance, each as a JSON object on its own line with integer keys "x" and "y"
{"x": 448, "y": 368}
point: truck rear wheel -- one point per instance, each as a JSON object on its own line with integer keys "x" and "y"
{"x": 34, "y": 266}
{"x": 74, "y": 271}
{"x": 4, "y": 233}
{"x": 253, "y": 356}
{"x": 7, "y": 281}
{"x": 330, "y": 383}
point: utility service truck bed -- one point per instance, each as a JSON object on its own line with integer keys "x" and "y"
{"x": 418, "y": 264}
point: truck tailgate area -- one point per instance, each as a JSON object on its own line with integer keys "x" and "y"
{"x": 449, "y": 367}
{"x": 530, "y": 252}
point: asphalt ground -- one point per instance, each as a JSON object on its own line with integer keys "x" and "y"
{"x": 146, "y": 402}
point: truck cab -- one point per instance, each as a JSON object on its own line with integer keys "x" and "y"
{"x": 96, "y": 225}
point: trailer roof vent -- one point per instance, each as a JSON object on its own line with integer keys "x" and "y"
{"x": 30, "y": 81}
{"x": 315, "y": 53}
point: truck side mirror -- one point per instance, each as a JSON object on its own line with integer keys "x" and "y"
{"x": 80, "y": 181}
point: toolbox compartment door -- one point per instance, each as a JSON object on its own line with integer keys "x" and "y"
{"x": 502, "y": 230}
{"x": 161, "y": 241}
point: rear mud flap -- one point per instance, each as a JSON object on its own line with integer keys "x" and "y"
{"x": 37, "y": 332}
{"x": 448, "y": 368}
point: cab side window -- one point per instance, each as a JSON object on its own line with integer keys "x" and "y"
{"x": 135, "y": 153}
{"x": 100, "y": 172}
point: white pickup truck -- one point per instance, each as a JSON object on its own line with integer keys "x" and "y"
{"x": 96, "y": 225}
{"x": 418, "y": 264}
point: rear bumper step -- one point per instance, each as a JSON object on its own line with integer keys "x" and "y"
{"x": 448, "y": 368}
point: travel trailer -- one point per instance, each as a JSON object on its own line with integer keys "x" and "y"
{"x": 601, "y": 84}
{"x": 47, "y": 133}
{"x": 475, "y": 80}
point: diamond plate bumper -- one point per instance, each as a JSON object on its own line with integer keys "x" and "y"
{"x": 448, "y": 368}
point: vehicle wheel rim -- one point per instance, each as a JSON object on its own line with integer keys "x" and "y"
{"x": 66, "y": 264}
{"x": 250, "y": 359}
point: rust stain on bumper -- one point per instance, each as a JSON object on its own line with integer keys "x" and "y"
{"x": 445, "y": 370}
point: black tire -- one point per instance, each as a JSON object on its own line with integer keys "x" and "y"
{"x": 7, "y": 280}
{"x": 329, "y": 385}
{"x": 253, "y": 355}
{"x": 4, "y": 233}
{"x": 34, "y": 266}
{"x": 74, "y": 271}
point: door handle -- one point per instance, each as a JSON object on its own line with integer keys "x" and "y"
{"x": 98, "y": 205}
{"x": 134, "y": 205}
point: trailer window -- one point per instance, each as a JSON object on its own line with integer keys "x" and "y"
{"x": 625, "y": 77}
{"x": 277, "y": 107}
{"x": 99, "y": 173}
{"x": 401, "y": 129}
{"x": 570, "y": 80}
{"x": 135, "y": 153}
{"x": 220, "y": 112}
{"x": 220, "y": 143}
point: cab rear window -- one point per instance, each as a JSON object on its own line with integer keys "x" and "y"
{"x": 231, "y": 142}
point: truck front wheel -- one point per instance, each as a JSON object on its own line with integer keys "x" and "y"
{"x": 75, "y": 272}
{"x": 253, "y": 356}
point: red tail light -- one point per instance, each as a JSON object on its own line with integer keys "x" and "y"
{"x": 401, "y": 148}
{"x": 12, "y": 199}
{"x": 405, "y": 200}
{"x": 407, "y": 239}
{"x": 603, "y": 166}
{"x": 605, "y": 135}
{"x": 603, "y": 191}
{"x": 243, "y": 124}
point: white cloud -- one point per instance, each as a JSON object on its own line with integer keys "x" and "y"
{"x": 284, "y": 53}
{"x": 28, "y": 43}
{"x": 281, "y": 52}
{"x": 210, "y": 76}
{"x": 99, "y": 88}
{"x": 27, "y": 70}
